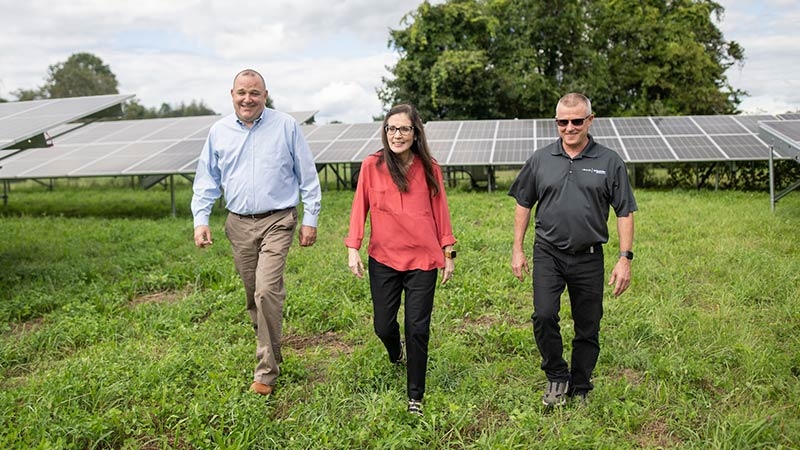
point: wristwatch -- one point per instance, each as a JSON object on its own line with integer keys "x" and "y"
{"x": 628, "y": 255}
{"x": 450, "y": 254}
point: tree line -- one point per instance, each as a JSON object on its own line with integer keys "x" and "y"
{"x": 502, "y": 59}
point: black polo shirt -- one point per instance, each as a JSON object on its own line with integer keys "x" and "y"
{"x": 572, "y": 196}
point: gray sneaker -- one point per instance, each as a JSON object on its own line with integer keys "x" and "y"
{"x": 415, "y": 407}
{"x": 555, "y": 394}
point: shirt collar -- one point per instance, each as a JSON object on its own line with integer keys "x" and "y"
{"x": 255, "y": 122}
{"x": 588, "y": 152}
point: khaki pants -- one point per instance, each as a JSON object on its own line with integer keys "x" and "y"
{"x": 260, "y": 247}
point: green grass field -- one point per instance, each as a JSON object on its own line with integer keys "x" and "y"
{"x": 116, "y": 332}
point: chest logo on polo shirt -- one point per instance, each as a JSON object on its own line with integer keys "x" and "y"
{"x": 597, "y": 171}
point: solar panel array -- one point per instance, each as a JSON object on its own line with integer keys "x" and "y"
{"x": 22, "y": 120}
{"x": 510, "y": 142}
{"x": 172, "y": 146}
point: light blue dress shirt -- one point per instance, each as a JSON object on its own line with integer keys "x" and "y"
{"x": 263, "y": 168}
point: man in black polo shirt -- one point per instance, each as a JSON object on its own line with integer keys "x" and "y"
{"x": 573, "y": 182}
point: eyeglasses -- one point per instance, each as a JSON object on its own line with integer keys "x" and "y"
{"x": 575, "y": 122}
{"x": 391, "y": 130}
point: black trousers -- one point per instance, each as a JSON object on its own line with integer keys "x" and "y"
{"x": 582, "y": 275}
{"x": 387, "y": 285}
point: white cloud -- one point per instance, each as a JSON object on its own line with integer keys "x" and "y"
{"x": 325, "y": 56}
{"x": 769, "y": 34}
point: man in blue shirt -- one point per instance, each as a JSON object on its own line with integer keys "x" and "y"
{"x": 260, "y": 160}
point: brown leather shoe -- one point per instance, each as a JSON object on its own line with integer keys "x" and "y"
{"x": 261, "y": 388}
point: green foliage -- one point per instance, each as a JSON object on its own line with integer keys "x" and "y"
{"x": 738, "y": 175}
{"x": 117, "y": 332}
{"x": 485, "y": 59}
{"x": 82, "y": 74}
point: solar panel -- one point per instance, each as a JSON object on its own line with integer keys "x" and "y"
{"x": 751, "y": 122}
{"x": 648, "y": 149}
{"x": 339, "y": 151}
{"x": 635, "y": 126}
{"x": 20, "y": 121}
{"x": 613, "y": 143}
{"x": 742, "y": 147}
{"x": 681, "y": 126}
{"x": 602, "y": 127}
{"x": 440, "y": 150}
{"x": 477, "y": 129}
{"x": 5, "y": 153}
{"x": 513, "y": 151}
{"x": 694, "y": 148}
{"x": 469, "y": 153}
{"x": 516, "y": 129}
{"x": 783, "y": 136}
{"x": 441, "y": 131}
{"x": 546, "y": 128}
{"x": 720, "y": 125}
{"x": 303, "y": 116}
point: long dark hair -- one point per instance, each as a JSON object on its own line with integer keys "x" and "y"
{"x": 419, "y": 148}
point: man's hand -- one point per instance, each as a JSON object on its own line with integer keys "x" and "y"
{"x": 202, "y": 236}
{"x": 621, "y": 276}
{"x": 307, "y": 236}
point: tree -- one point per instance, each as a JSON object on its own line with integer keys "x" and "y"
{"x": 135, "y": 110}
{"x": 28, "y": 94}
{"x": 82, "y": 74}
{"x": 484, "y": 59}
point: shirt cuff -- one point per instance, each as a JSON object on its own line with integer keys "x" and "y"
{"x": 200, "y": 219}
{"x": 310, "y": 220}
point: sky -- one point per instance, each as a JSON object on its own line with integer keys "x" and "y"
{"x": 325, "y": 56}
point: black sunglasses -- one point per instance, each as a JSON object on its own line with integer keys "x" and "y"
{"x": 575, "y": 122}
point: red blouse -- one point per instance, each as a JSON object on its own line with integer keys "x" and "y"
{"x": 407, "y": 229}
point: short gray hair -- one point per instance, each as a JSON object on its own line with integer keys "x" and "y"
{"x": 250, "y": 73}
{"x": 573, "y": 99}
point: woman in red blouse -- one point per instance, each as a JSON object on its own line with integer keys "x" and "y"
{"x": 411, "y": 238}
